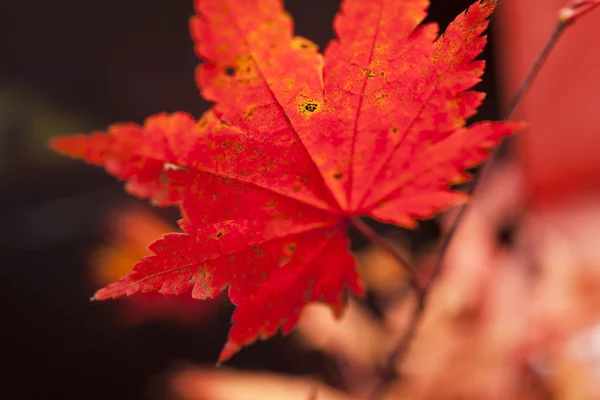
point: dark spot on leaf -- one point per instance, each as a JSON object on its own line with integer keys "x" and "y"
{"x": 338, "y": 176}
{"x": 229, "y": 71}
{"x": 219, "y": 234}
{"x": 311, "y": 107}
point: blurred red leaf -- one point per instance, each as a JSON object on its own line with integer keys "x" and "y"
{"x": 130, "y": 229}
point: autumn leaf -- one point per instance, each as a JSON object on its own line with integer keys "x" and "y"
{"x": 297, "y": 144}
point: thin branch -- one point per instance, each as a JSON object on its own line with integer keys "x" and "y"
{"x": 401, "y": 348}
{"x": 575, "y": 9}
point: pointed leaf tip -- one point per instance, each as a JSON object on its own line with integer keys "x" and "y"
{"x": 73, "y": 146}
{"x": 229, "y": 349}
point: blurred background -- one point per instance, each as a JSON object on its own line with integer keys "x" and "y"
{"x": 68, "y": 66}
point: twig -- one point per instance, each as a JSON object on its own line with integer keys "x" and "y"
{"x": 575, "y": 9}
{"x": 567, "y": 15}
{"x": 389, "y": 371}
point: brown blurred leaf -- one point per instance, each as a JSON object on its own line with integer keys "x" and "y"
{"x": 223, "y": 384}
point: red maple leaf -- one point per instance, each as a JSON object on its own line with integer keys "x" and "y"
{"x": 296, "y": 144}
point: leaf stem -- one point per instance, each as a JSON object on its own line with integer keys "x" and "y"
{"x": 389, "y": 369}
{"x": 535, "y": 69}
{"x": 398, "y": 353}
{"x": 377, "y": 240}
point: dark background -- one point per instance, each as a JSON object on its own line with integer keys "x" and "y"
{"x": 69, "y": 66}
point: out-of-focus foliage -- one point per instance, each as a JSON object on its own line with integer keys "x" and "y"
{"x": 129, "y": 230}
